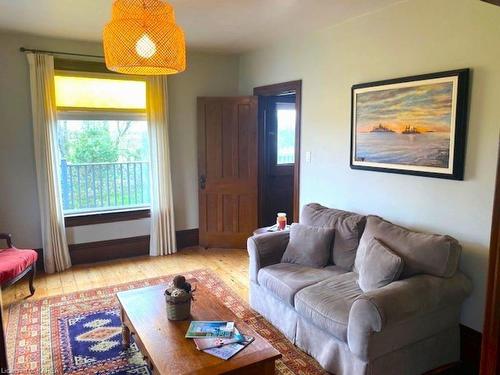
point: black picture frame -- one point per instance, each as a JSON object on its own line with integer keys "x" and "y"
{"x": 455, "y": 155}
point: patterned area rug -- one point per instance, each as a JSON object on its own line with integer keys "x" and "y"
{"x": 80, "y": 333}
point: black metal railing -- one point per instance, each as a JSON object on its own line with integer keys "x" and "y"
{"x": 101, "y": 186}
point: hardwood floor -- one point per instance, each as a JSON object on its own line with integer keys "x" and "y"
{"x": 231, "y": 265}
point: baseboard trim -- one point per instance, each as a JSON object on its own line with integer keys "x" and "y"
{"x": 470, "y": 349}
{"x": 99, "y": 251}
{"x": 187, "y": 238}
{"x": 470, "y": 352}
{"x": 470, "y": 355}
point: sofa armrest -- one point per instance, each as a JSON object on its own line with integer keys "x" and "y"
{"x": 401, "y": 301}
{"x": 266, "y": 249}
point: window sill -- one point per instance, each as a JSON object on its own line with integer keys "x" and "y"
{"x": 77, "y": 220}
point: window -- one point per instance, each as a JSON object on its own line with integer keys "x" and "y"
{"x": 103, "y": 143}
{"x": 286, "y": 133}
{"x": 100, "y": 93}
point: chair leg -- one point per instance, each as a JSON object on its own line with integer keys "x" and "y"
{"x": 32, "y": 278}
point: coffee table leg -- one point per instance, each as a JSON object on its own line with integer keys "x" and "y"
{"x": 126, "y": 336}
{"x": 125, "y": 331}
{"x": 268, "y": 368}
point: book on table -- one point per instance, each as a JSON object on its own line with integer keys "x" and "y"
{"x": 210, "y": 329}
{"x": 227, "y": 351}
{"x": 208, "y": 343}
{"x": 218, "y": 338}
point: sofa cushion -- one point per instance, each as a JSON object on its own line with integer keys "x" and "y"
{"x": 327, "y": 304}
{"x": 381, "y": 266}
{"x": 348, "y": 230}
{"x": 432, "y": 254}
{"x": 283, "y": 280}
{"x": 308, "y": 246}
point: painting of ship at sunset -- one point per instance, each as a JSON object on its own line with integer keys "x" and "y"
{"x": 412, "y": 125}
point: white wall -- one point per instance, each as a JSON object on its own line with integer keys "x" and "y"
{"x": 206, "y": 74}
{"x": 414, "y": 37}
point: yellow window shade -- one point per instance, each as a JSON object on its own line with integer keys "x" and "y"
{"x": 99, "y": 93}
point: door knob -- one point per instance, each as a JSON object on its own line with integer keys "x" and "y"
{"x": 203, "y": 182}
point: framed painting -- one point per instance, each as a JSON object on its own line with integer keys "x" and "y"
{"x": 412, "y": 125}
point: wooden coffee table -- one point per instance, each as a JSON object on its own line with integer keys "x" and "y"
{"x": 164, "y": 346}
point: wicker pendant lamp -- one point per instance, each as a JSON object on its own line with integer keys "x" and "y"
{"x": 143, "y": 38}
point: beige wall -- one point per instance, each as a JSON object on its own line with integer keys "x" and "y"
{"x": 414, "y": 37}
{"x": 207, "y": 74}
{"x": 18, "y": 195}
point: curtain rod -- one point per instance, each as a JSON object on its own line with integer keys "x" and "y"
{"x": 22, "y": 49}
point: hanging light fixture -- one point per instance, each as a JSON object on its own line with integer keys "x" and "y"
{"x": 143, "y": 38}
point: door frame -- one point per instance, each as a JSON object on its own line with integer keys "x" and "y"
{"x": 490, "y": 352}
{"x": 273, "y": 90}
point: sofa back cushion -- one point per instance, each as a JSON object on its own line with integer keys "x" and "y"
{"x": 381, "y": 266}
{"x": 308, "y": 246}
{"x": 431, "y": 254}
{"x": 348, "y": 228}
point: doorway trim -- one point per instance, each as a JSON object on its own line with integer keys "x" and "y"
{"x": 490, "y": 362}
{"x": 273, "y": 90}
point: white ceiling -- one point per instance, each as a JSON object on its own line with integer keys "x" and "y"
{"x": 216, "y": 25}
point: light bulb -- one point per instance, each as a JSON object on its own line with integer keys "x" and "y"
{"x": 145, "y": 47}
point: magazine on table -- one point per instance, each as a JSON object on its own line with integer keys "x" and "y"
{"x": 210, "y": 329}
{"x": 202, "y": 344}
{"x": 227, "y": 351}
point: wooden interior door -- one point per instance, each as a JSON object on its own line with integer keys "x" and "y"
{"x": 227, "y": 170}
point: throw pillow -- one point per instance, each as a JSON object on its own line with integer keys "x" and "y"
{"x": 381, "y": 266}
{"x": 432, "y": 254}
{"x": 308, "y": 246}
{"x": 348, "y": 230}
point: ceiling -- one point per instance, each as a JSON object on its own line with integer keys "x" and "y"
{"x": 215, "y": 25}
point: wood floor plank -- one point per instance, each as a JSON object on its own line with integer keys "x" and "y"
{"x": 231, "y": 265}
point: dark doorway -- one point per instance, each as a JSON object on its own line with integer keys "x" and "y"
{"x": 279, "y": 151}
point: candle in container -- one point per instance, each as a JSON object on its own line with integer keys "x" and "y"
{"x": 281, "y": 221}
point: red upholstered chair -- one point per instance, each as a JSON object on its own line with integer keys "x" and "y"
{"x": 16, "y": 263}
